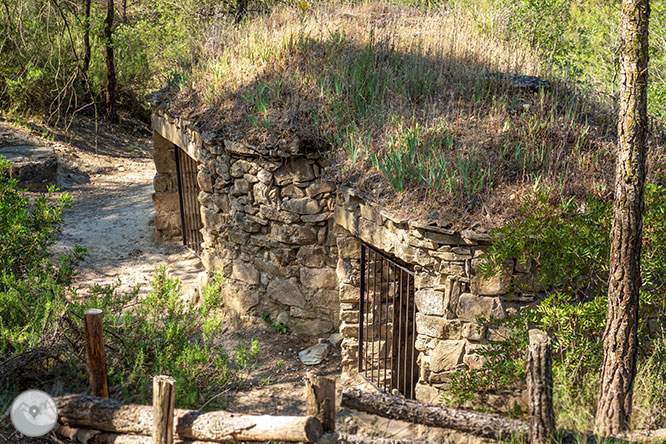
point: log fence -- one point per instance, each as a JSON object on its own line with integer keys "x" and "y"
{"x": 94, "y": 418}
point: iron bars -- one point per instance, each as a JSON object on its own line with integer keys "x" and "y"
{"x": 387, "y": 324}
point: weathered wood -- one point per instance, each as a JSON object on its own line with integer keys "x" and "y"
{"x": 95, "y": 355}
{"x": 333, "y": 438}
{"x": 89, "y": 436}
{"x": 320, "y": 400}
{"x": 164, "y": 399}
{"x": 540, "y": 388}
{"x": 479, "y": 424}
{"x": 104, "y": 414}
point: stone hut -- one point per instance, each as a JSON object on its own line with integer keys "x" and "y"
{"x": 405, "y": 297}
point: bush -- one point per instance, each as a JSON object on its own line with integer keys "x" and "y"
{"x": 568, "y": 246}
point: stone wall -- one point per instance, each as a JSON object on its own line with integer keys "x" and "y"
{"x": 449, "y": 291}
{"x": 267, "y": 220}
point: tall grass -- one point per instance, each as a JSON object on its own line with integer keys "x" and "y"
{"x": 384, "y": 85}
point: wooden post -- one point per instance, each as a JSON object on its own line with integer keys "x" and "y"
{"x": 164, "y": 393}
{"x": 95, "y": 356}
{"x": 320, "y": 400}
{"x": 541, "y": 428}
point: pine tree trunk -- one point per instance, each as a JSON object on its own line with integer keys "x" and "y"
{"x": 620, "y": 336}
{"x": 111, "y": 113}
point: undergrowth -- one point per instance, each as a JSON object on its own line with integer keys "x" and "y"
{"x": 42, "y": 320}
{"x": 566, "y": 245}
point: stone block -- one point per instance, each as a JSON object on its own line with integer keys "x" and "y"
{"x": 162, "y": 182}
{"x": 348, "y": 272}
{"x": 349, "y": 293}
{"x": 239, "y": 298}
{"x": 165, "y": 159}
{"x": 313, "y": 257}
{"x": 473, "y": 331}
{"x": 294, "y": 170}
{"x": 437, "y": 327}
{"x": 493, "y": 285}
{"x": 272, "y": 213}
{"x": 316, "y": 189}
{"x": 318, "y": 277}
{"x": 265, "y": 176}
{"x": 311, "y": 327}
{"x": 286, "y": 292}
{"x": 240, "y": 187}
{"x": 470, "y": 306}
{"x": 246, "y": 272}
{"x": 316, "y": 218}
{"x": 430, "y": 302}
{"x": 205, "y": 181}
{"x": 447, "y": 355}
{"x": 301, "y": 206}
{"x": 293, "y": 234}
{"x": 240, "y": 167}
{"x": 426, "y": 393}
{"x": 348, "y": 247}
{"x": 167, "y": 202}
{"x": 213, "y": 220}
{"x": 474, "y": 361}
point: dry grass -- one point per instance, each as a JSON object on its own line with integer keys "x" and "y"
{"x": 407, "y": 106}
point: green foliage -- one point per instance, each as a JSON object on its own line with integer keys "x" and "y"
{"x": 567, "y": 246}
{"x": 278, "y": 327}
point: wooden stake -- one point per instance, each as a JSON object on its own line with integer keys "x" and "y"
{"x": 95, "y": 356}
{"x": 164, "y": 393}
{"x": 540, "y": 388}
{"x": 320, "y": 400}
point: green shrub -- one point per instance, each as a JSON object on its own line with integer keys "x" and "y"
{"x": 567, "y": 245}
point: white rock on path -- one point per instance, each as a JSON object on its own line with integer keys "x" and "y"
{"x": 314, "y": 355}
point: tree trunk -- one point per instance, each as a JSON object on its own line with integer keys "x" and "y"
{"x": 620, "y": 336}
{"x": 540, "y": 388}
{"x": 89, "y": 412}
{"x": 479, "y": 424}
{"x": 86, "y": 40}
{"x": 111, "y": 112}
{"x": 164, "y": 392}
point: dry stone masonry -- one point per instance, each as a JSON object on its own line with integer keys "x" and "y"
{"x": 289, "y": 245}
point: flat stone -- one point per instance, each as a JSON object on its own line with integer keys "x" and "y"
{"x": 437, "y": 327}
{"x": 447, "y": 355}
{"x": 316, "y": 218}
{"x": 301, "y": 206}
{"x": 494, "y": 285}
{"x": 316, "y": 189}
{"x": 335, "y": 339}
{"x": 430, "y": 302}
{"x": 286, "y": 292}
{"x": 295, "y": 170}
{"x": 319, "y": 277}
{"x": 314, "y": 355}
{"x": 348, "y": 247}
{"x": 293, "y": 234}
{"x": 272, "y": 213}
{"x": 470, "y": 306}
{"x": 246, "y": 272}
{"x": 240, "y": 167}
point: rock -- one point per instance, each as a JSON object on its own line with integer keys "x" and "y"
{"x": 437, "y": 327}
{"x": 35, "y": 175}
{"x": 447, "y": 355}
{"x": 240, "y": 187}
{"x": 295, "y": 170}
{"x": 316, "y": 189}
{"x": 313, "y": 355}
{"x": 318, "y": 277}
{"x": 205, "y": 182}
{"x": 470, "y": 306}
{"x": 286, "y": 292}
{"x": 246, "y": 272}
{"x": 202, "y": 282}
{"x": 315, "y": 218}
{"x": 293, "y": 234}
{"x": 335, "y": 339}
{"x": 430, "y": 302}
{"x": 264, "y": 177}
{"x": 272, "y": 213}
{"x": 240, "y": 167}
{"x": 311, "y": 256}
{"x": 301, "y": 206}
{"x": 283, "y": 317}
{"x": 493, "y": 285}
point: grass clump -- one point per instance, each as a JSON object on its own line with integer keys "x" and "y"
{"x": 408, "y": 104}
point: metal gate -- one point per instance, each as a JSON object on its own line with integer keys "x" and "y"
{"x": 387, "y": 327}
{"x": 188, "y": 192}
